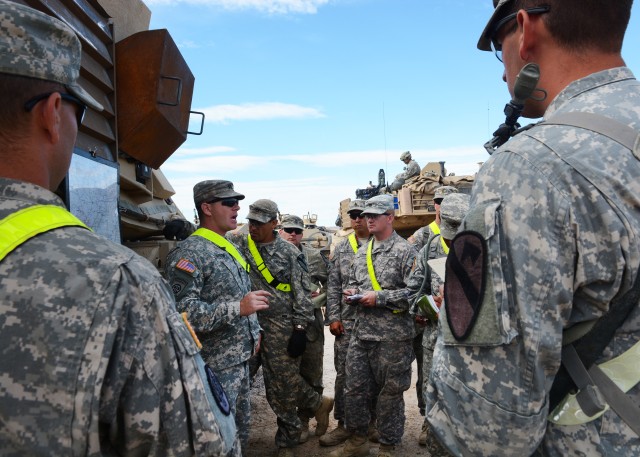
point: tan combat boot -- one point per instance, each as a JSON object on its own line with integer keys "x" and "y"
{"x": 387, "y": 450}
{"x": 304, "y": 431}
{"x": 422, "y": 439}
{"x": 322, "y": 415}
{"x": 372, "y": 432}
{"x": 285, "y": 452}
{"x": 355, "y": 446}
{"x": 337, "y": 436}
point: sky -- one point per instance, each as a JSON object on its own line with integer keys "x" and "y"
{"x": 305, "y": 100}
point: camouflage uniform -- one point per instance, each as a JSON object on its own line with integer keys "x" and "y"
{"x": 422, "y": 235}
{"x": 380, "y": 351}
{"x": 558, "y": 251}
{"x": 211, "y": 295}
{"x": 286, "y": 389}
{"x": 95, "y": 359}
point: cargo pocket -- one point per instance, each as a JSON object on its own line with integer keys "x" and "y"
{"x": 214, "y": 432}
{"x": 476, "y": 310}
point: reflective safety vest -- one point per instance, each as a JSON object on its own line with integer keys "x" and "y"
{"x": 372, "y": 272}
{"x": 262, "y": 268}
{"x": 353, "y": 241}
{"x": 23, "y": 225}
{"x": 223, "y": 243}
{"x": 435, "y": 228}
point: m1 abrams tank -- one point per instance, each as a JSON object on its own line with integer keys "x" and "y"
{"x": 414, "y": 201}
{"x": 115, "y": 184}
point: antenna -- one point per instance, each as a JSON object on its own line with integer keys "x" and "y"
{"x": 384, "y": 131}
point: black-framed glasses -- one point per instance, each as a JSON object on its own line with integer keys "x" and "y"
{"x": 496, "y": 46}
{"x": 291, "y": 230}
{"x": 80, "y": 112}
{"x": 375, "y": 216}
{"x": 355, "y": 216}
{"x": 255, "y": 223}
{"x": 437, "y": 201}
{"x": 228, "y": 202}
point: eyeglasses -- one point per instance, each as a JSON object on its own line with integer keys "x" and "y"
{"x": 255, "y": 223}
{"x": 80, "y": 112}
{"x": 375, "y": 216}
{"x": 496, "y": 47}
{"x": 437, "y": 201}
{"x": 229, "y": 202}
{"x": 290, "y": 230}
{"x": 355, "y": 216}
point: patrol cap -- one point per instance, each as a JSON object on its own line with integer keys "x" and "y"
{"x": 443, "y": 191}
{"x": 292, "y": 221}
{"x": 356, "y": 205}
{"x": 39, "y": 46}
{"x": 263, "y": 210}
{"x": 501, "y": 7}
{"x": 379, "y": 204}
{"x": 405, "y": 155}
{"x": 452, "y": 210}
{"x": 214, "y": 189}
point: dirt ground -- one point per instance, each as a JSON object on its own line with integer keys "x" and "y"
{"x": 263, "y": 426}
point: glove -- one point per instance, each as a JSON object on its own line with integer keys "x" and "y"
{"x": 297, "y": 343}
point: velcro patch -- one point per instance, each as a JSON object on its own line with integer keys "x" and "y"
{"x": 464, "y": 282}
{"x": 218, "y": 391}
{"x": 186, "y": 266}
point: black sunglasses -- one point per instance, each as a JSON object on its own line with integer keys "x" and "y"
{"x": 355, "y": 216}
{"x": 497, "y": 47}
{"x": 229, "y": 202}
{"x": 81, "y": 111}
{"x": 290, "y": 230}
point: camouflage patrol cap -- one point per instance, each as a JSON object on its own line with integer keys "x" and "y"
{"x": 291, "y": 221}
{"x": 501, "y": 7}
{"x": 356, "y": 205}
{"x": 405, "y": 155}
{"x": 39, "y": 46}
{"x": 443, "y": 191}
{"x": 263, "y": 210}
{"x": 379, "y": 204}
{"x": 452, "y": 211}
{"x": 214, "y": 189}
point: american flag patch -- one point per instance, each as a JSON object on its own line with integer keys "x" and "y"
{"x": 185, "y": 265}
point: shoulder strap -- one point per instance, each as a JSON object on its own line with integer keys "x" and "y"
{"x": 23, "y": 225}
{"x": 223, "y": 243}
{"x": 372, "y": 272}
{"x": 262, "y": 267}
{"x": 353, "y": 242}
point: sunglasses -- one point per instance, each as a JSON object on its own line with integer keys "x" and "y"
{"x": 375, "y": 216}
{"x": 355, "y": 216}
{"x": 80, "y": 112}
{"x": 290, "y": 230}
{"x": 229, "y": 202}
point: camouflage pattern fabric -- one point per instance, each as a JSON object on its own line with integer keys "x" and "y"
{"x": 286, "y": 389}
{"x": 95, "y": 359}
{"x": 380, "y": 353}
{"x": 412, "y": 169}
{"x": 559, "y": 251}
{"x": 420, "y": 237}
{"x": 209, "y": 287}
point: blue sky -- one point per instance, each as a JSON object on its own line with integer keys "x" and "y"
{"x": 305, "y": 100}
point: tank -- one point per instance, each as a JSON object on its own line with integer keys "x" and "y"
{"x": 413, "y": 202}
{"x": 115, "y": 184}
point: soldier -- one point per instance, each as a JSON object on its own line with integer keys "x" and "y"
{"x": 312, "y": 358}
{"x": 211, "y": 284}
{"x": 95, "y": 358}
{"x": 281, "y": 269}
{"x": 423, "y": 281}
{"x": 551, "y": 242}
{"x": 410, "y": 170}
{"x": 423, "y": 234}
{"x": 341, "y": 317}
{"x": 380, "y": 352}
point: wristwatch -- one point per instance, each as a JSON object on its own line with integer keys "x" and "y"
{"x": 299, "y": 328}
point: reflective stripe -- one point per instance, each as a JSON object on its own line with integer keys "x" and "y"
{"x": 23, "y": 225}
{"x": 445, "y": 248}
{"x": 223, "y": 243}
{"x": 435, "y": 228}
{"x": 353, "y": 242}
{"x": 262, "y": 268}
{"x": 623, "y": 370}
{"x": 372, "y": 272}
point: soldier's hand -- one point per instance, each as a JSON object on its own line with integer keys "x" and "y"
{"x": 336, "y": 328}
{"x": 421, "y": 320}
{"x": 368, "y": 299}
{"x": 349, "y": 292}
{"x": 254, "y": 301}
{"x": 297, "y": 343}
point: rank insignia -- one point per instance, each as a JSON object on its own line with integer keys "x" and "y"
{"x": 186, "y": 266}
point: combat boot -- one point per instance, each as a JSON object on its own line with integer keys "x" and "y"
{"x": 337, "y": 436}
{"x": 372, "y": 433}
{"x": 322, "y": 415}
{"x": 304, "y": 431}
{"x": 355, "y": 446}
{"x": 387, "y": 450}
{"x": 285, "y": 452}
{"x": 422, "y": 439}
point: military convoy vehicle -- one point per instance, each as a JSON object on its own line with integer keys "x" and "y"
{"x": 115, "y": 184}
{"x": 413, "y": 202}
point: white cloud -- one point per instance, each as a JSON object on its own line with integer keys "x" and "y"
{"x": 201, "y": 151}
{"x": 264, "y": 6}
{"x": 258, "y": 111}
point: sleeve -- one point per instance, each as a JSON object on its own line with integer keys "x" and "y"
{"x": 154, "y": 399}
{"x": 334, "y": 288}
{"x": 418, "y": 284}
{"x": 302, "y": 305}
{"x": 186, "y": 276}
